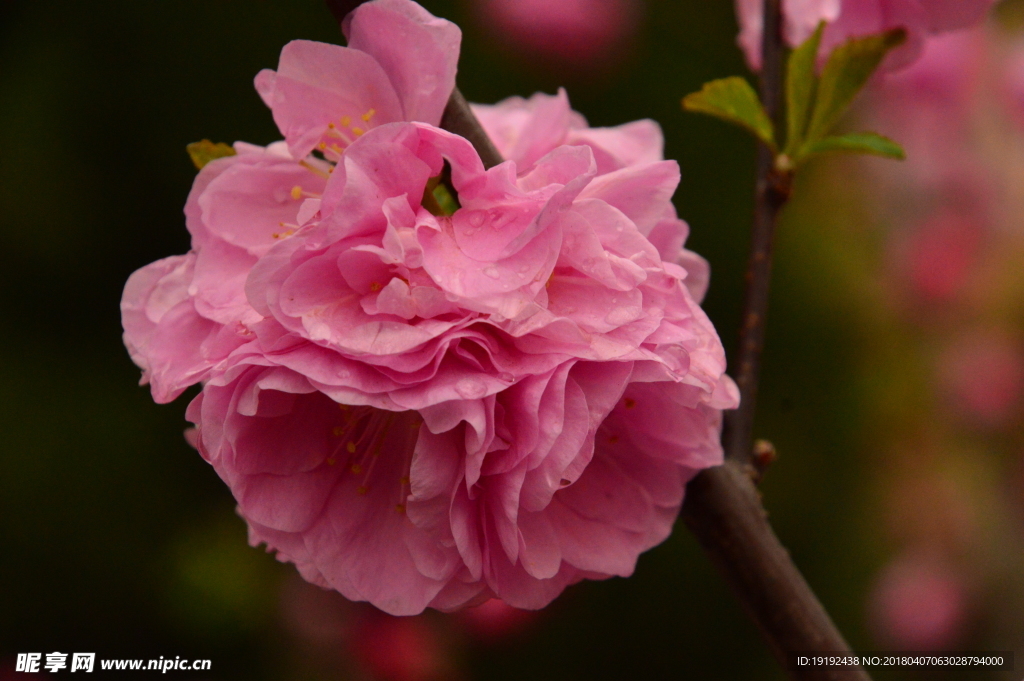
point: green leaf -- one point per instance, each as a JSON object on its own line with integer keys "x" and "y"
{"x": 847, "y": 70}
{"x": 801, "y": 87}
{"x": 732, "y": 99}
{"x": 856, "y": 143}
{"x": 204, "y": 151}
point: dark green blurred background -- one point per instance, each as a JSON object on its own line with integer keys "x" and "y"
{"x": 117, "y": 538}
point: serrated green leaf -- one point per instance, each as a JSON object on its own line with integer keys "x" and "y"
{"x": 801, "y": 87}
{"x": 204, "y": 151}
{"x": 732, "y": 99}
{"x": 856, "y": 143}
{"x": 847, "y": 70}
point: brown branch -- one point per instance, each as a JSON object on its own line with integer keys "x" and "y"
{"x": 461, "y": 120}
{"x": 723, "y": 510}
{"x": 723, "y": 507}
{"x": 771, "y": 193}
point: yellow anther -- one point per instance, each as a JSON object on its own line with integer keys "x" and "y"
{"x": 339, "y": 431}
{"x": 296, "y": 192}
{"x": 357, "y": 131}
{"x": 343, "y": 407}
{"x": 375, "y": 286}
{"x": 356, "y": 468}
{"x": 404, "y": 480}
{"x": 331, "y": 126}
{"x": 351, "y": 447}
{"x": 362, "y": 490}
{"x": 345, "y": 120}
{"x": 629, "y": 402}
{"x": 368, "y": 115}
{"x": 331, "y": 461}
{"x": 400, "y": 508}
{"x": 323, "y": 145}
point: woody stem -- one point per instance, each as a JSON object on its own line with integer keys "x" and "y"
{"x": 723, "y": 507}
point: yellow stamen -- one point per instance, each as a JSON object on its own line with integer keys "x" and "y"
{"x": 357, "y": 131}
{"x": 400, "y": 508}
{"x": 345, "y": 120}
{"x": 339, "y": 431}
{"x": 356, "y": 468}
{"x": 362, "y": 490}
{"x": 315, "y": 171}
{"x": 368, "y": 115}
{"x": 351, "y": 447}
{"x": 296, "y": 192}
{"x": 375, "y": 286}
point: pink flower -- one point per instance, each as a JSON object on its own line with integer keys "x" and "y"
{"x": 523, "y": 130}
{"x": 850, "y": 18}
{"x": 421, "y": 409}
{"x": 324, "y": 96}
{"x": 530, "y": 384}
{"x": 577, "y": 32}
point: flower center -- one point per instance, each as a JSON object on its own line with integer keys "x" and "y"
{"x": 342, "y": 134}
{"x": 375, "y": 446}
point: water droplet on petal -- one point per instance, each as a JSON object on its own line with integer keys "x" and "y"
{"x": 470, "y": 388}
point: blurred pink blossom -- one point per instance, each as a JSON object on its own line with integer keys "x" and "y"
{"x": 937, "y": 258}
{"x": 495, "y": 620}
{"x": 919, "y": 602}
{"x": 852, "y": 18}
{"x": 398, "y": 648}
{"x": 1014, "y": 83}
{"x": 982, "y": 375}
{"x": 421, "y": 409}
{"x": 932, "y": 108}
{"x": 574, "y": 32}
